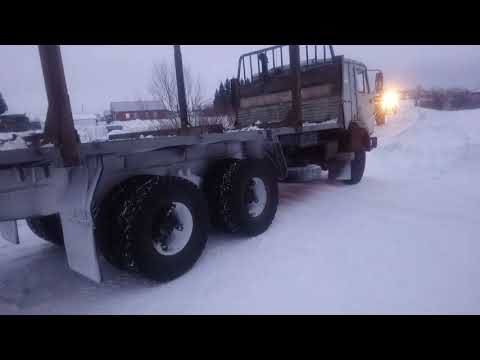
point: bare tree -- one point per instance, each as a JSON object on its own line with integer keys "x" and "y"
{"x": 163, "y": 88}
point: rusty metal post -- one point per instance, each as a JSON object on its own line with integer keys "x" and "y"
{"x": 295, "y": 74}
{"x": 182, "y": 101}
{"x": 59, "y": 127}
{"x": 332, "y": 53}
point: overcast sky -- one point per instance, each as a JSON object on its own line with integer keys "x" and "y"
{"x": 97, "y": 75}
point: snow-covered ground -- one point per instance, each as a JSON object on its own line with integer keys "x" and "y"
{"x": 404, "y": 241}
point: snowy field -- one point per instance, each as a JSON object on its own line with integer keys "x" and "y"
{"x": 404, "y": 241}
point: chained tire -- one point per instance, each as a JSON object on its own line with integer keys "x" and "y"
{"x": 213, "y": 182}
{"x": 162, "y": 228}
{"x": 358, "y": 168}
{"x": 48, "y": 228}
{"x": 245, "y": 197}
{"x": 107, "y": 219}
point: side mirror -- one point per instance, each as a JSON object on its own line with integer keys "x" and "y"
{"x": 379, "y": 82}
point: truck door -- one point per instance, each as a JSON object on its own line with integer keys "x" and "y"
{"x": 365, "y": 99}
{"x": 348, "y": 96}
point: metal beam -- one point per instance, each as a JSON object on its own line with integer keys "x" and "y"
{"x": 332, "y": 53}
{"x": 295, "y": 75}
{"x": 59, "y": 127}
{"x": 182, "y": 101}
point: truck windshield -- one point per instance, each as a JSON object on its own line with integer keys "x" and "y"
{"x": 361, "y": 80}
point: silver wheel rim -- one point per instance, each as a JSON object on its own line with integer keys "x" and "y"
{"x": 257, "y": 206}
{"x": 180, "y": 235}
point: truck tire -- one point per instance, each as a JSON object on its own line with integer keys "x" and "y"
{"x": 247, "y": 197}
{"x": 163, "y": 228}
{"x": 107, "y": 218}
{"x": 358, "y": 168}
{"x": 48, "y": 228}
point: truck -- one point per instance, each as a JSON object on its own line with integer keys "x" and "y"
{"x": 146, "y": 204}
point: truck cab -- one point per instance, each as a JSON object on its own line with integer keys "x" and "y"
{"x": 333, "y": 88}
{"x": 359, "y": 96}
{"x": 338, "y": 110}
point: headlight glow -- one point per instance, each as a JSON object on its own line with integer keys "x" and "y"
{"x": 390, "y": 100}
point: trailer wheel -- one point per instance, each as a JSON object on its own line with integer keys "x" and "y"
{"x": 107, "y": 217}
{"x": 358, "y": 168}
{"x": 247, "y": 197}
{"x": 48, "y": 228}
{"x": 163, "y": 228}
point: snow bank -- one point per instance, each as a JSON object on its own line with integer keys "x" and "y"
{"x": 417, "y": 145}
{"x": 140, "y": 125}
{"x": 92, "y": 133}
{"x": 14, "y": 141}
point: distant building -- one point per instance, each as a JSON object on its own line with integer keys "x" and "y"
{"x": 138, "y": 110}
{"x": 17, "y": 123}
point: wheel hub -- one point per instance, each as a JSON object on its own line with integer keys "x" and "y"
{"x": 256, "y": 197}
{"x": 172, "y": 230}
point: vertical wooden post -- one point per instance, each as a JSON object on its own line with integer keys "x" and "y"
{"x": 182, "y": 101}
{"x": 295, "y": 74}
{"x": 59, "y": 127}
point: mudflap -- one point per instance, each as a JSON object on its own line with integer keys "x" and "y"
{"x": 77, "y": 221}
{"x": 340, "y": 168}
{"x": 9, "y": 231}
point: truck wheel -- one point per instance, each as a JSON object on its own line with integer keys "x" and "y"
{"x": 358, "y": 168}
{"x": 163, "y": 228}
{"x": 107, "y": 218}
{"x": 48, "y": 228}
{"x": 247, "y": 197}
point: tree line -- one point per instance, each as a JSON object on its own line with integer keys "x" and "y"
{"x": 222, "y": 102}
{"x": 446, "y": 99}
{"x": 3, "y": 105}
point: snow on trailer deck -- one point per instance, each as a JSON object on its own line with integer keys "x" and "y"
{"x": 403, "y": 241}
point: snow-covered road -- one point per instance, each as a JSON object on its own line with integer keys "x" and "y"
{"x": 403, "y": 241}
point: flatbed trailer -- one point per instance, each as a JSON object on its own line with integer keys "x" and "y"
{"x": 145, "y": 204}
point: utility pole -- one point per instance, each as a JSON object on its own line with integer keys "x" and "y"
{"x": 296, "y": 86}
{"x": 182, "y": 101}
{"x": 59, "y": 127}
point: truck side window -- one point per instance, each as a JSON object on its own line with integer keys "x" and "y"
{"x": 360, "y": 80}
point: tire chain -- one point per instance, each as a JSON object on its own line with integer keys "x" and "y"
{"x": 127, "y": 214}
{"x": 226, "y": 195}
